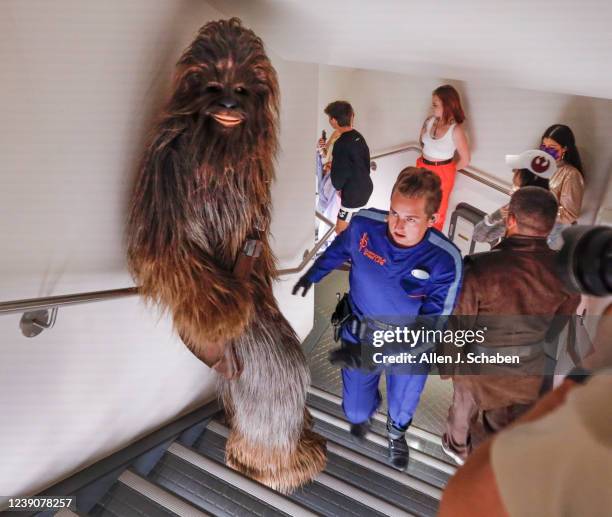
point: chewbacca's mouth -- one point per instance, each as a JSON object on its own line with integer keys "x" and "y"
{"x": 227, "y": 120}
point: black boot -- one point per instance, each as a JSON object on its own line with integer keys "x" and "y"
{"x": 398, "y": 448}
{"x": 359, "y": 431}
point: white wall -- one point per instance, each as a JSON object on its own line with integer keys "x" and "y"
{"x": 293, "y": 193}
{"x": 334, "y": 83}
{"x": 390, "y": 109}
{"x": 81, "y": 84}
{"x": 550, "y": 45}
{"x": 104, "y": 375}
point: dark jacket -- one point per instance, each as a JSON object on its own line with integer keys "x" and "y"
{"x": 514, "y": 291}
{"x": 350, "y": 169}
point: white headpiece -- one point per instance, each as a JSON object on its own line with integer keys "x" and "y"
{"x": 539, "y": 162}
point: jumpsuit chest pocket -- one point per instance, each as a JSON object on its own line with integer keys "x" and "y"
{"x": 415, "y": 283}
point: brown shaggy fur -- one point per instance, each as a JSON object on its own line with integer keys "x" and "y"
{"x": 203, "y": 189}
{"x": 281, "y": 472}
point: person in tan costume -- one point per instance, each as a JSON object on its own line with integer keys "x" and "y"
{"x": 514, "y": 292}
{"x": 567, "y": 183}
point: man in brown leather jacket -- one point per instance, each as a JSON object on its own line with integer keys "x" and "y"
{"x": 513, "y": 292}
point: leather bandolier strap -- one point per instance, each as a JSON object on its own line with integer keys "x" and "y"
{"x": 222, "y": 357}
{"x": 229, "y": 364}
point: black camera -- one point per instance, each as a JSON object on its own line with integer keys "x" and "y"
{"x": 585, "y": 260}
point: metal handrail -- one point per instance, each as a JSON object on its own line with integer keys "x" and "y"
{"x": 485, "y": 179}
{"x": 33, "y": 304}
{"x": 470, "y": 172}
{"x": 410, "y": 146}
{"x": 30, "y": 304}
{"x": 309, "y": 256}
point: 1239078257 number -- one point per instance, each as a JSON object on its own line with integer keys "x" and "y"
{"x": 25, "y": 504}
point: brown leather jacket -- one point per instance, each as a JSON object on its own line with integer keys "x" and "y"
{"x": 514, "y": 292}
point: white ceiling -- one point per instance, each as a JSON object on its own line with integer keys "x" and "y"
{"x": 556, "y": 46}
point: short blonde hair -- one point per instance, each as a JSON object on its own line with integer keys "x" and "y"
{"x": 419, "y": 182}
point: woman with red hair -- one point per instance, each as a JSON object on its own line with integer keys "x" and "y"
{"x": 442, "y": 136}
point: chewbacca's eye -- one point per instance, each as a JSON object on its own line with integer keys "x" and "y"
{"x": 213, "y": 88}
{"x": 240, "y": 90}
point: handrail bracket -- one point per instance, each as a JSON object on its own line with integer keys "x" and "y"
{"x": 33, "y": 323}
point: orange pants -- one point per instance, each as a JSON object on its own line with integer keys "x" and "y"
{"x": 447, "y": 174}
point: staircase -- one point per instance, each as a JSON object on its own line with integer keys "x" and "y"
{"x": 187, "y": 476}
{"x": 180, "y": 469}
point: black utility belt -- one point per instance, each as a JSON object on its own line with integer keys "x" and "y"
{"x": 359, "y": 327}
{"x": 442, "y": 162}
{"x": 362, "y": 328}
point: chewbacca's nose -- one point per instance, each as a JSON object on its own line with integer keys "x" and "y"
{"x": 228, "y": 102}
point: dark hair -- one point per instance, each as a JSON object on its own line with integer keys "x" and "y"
{"x": 526, "y": 178}
{"x": 564, "y": 136}
{"x": 342, "y": 111}
{"x": 535, "y": 210}
{"x": 417, "y": 182}
{"x": 451, "y": 103}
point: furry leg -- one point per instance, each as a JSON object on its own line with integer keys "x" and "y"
{"x": 271, "y": 439}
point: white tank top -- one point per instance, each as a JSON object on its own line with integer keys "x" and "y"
{"x": 438, "y": 148}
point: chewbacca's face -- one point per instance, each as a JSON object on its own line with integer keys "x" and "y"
{"x": 231, "y": 93}
{"x": 227, "y": 101}
{"x": 226, "y": 78}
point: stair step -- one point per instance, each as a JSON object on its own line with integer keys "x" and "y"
{"x": 418, "y": 439}
{"x": 159, "y": 495}
{"x": 328, "y": 494}
{"x": 132, "y": 495}
{"x": 420, "y": 466}
{"x": 399, "y": 489}
{"x": 216, "y": 489}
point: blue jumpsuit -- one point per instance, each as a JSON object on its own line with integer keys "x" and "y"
{"x": 389, "y": 283}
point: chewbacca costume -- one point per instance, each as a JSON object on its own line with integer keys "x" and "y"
{"x": 198, "y": 247}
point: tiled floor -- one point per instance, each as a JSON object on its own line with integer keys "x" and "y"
{"x": 436, "y": 398}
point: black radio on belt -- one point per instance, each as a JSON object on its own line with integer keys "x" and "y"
{"x": 341, "y": 315}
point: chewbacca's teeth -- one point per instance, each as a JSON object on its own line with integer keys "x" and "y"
{"x": 227, "y": 120}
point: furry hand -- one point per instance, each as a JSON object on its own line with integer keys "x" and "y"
{"x": 303, "y": 283}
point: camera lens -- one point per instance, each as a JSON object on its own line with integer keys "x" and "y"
{"x": 585, "y": 261}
